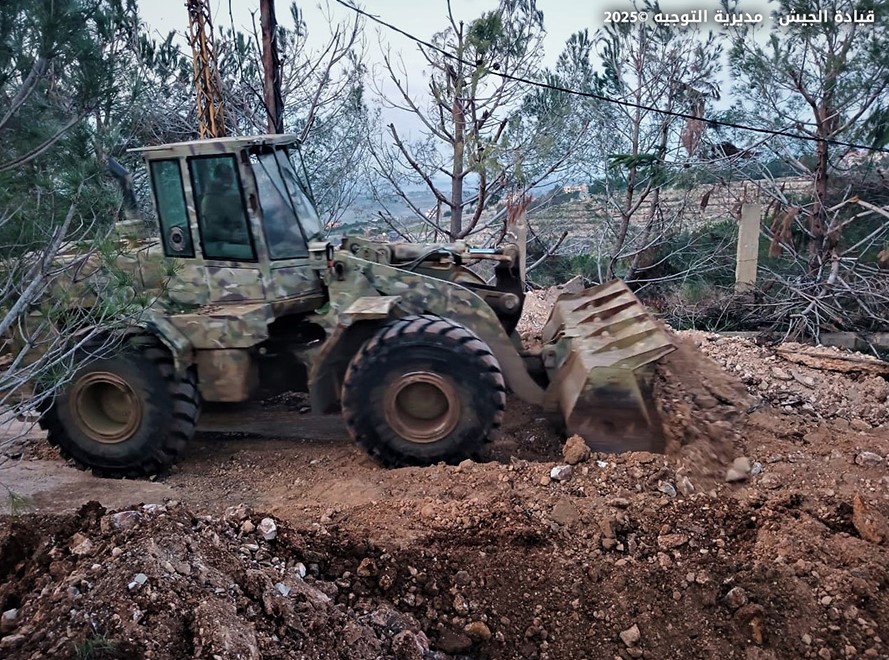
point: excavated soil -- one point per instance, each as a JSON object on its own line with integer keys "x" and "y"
{"x": 762, "y": 533}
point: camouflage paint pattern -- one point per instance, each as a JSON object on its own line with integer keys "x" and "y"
{"x": 225, "y": 326}
{"x": 421, "y": 294}
{"x": 173, "y": 285}
{"x": 293, "y": 280}
{"x": 227, "y": 375}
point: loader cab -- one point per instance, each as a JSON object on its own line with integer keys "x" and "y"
{"x": 237, "y": 215}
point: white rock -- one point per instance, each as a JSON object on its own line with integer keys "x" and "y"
{"x": 138, "y": 580}
{"x": 666, "y": 488}
{"x": 561, "y": 473}
{"x": 268, "y": 529}
{"x": 80, "y": 545}
{"x": 125, "y": 519}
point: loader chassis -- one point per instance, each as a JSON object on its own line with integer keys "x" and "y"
{"x": 413, "y": 347}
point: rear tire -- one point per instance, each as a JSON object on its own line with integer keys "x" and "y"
{"x": 424, "y": 389}
{"x": 125, "y": 414}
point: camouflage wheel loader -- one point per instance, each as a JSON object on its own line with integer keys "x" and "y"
{"x": 414, "y": 349}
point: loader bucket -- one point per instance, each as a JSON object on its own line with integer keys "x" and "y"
{"x": 600, "y": 346}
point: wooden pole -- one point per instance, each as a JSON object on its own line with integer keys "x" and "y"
{"x": 748, "y": 247}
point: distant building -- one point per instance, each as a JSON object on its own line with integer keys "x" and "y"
{"x": 860, "y": 157}
{"x": 582, "y": 190}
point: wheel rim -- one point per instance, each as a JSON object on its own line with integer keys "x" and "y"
{"x": 105, "y": 407}
{"x": 422, "y": 407}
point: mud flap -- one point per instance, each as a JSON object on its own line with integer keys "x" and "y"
{"x": 600, "y": 346}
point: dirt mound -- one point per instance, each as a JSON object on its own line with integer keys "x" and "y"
{"x": 159, "y": 582}
{"x": 538, "y": 305}
{"x": 518, "y": 569}
{"x": 821, "y": 383}
{"x": 702, "y": 410}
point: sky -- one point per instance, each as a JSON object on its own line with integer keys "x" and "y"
{"x": 561, "y": 17}
{"x": 419, "y": 17}
{"x": 422, "y": 18}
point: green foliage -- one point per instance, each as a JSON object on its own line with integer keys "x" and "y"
{"x": 95, "y": 647}
{"x": 683, "y": 253}
{"x": 559, "y": 269}
{"x": 472, "y": 128}
{"x": 804, "y": 73}
{"x": 649, "y": 168}
{"x": 57, "y": 67}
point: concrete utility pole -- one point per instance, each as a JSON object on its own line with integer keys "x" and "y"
{"x": 748, "y": 247}
{"x": 271, "y": 66}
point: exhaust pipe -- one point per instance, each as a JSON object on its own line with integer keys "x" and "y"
{"x": 132, "y": 226}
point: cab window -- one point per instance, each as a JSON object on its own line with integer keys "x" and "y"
{"x": 219, "y": 202}
{"x": 169, "y": 196}
{"x": 281, "y": 226}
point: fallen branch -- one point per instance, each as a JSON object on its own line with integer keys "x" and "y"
{"x": 825, "y": 359}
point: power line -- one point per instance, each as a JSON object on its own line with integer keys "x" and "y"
{"x": 608, "y": 99}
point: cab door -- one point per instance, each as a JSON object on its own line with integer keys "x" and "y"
{"x": 231, "y": 262}
{"x": 292, "y": 280}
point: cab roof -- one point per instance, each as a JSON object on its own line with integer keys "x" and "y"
{"x": 217, "y": 145}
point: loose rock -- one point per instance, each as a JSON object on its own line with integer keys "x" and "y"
{"x": 575, "y": 450}
{"x": 631, "y": 636}
{"x": 780, "y": 374}
{"x": 739, "y": 471}
{"x": 124, "y": 519}
{"x": 666, "y": 488}
{"x": 453, "y": 642}
{"x": 268, "y": 529}
{"x": 139, "y": 580}
{"x": 670, "y": 541}
{"x": 8, "y": 621}
{"x": 870, "y": 525}
{"x": 869, "y": 459}
{"x": 561, "y": 473}
{"x": 478, "y": 631}
{"x": 859, "y": 424}
{"x": 736, "y": 598}
{"x": 80, "y": 545}
{"x": 684, "y": 486}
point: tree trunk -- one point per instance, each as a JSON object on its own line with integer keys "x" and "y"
{"x": 818, "y": 216}
{"x": 457, "y": 169}
{"x": 654, "y": 208}
{"x": 631, "y": 190}
{"x": 642, "y": 256}
{"x": 271, "y": 66}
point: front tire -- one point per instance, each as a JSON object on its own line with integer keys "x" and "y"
{"x": 424, "y": 389}
{"x": 125, "y": 414}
